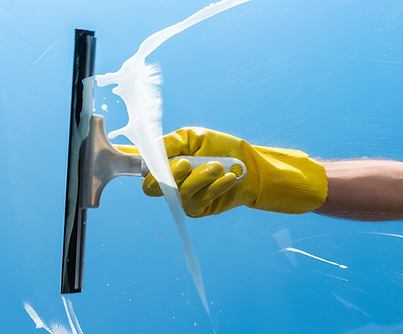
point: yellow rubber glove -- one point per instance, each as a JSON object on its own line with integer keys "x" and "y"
{"x": 278, "y": 180}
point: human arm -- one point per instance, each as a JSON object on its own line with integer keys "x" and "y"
{"x": 280, "y": 180}
{"x": 366, "y": 190}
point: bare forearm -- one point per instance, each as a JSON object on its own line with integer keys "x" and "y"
{"x": 367, "y": 190}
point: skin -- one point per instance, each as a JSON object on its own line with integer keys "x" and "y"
{"x": 365, "y": 190}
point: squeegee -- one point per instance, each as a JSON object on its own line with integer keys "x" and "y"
{"x": 75, "y": 210}
{"x": 93, "y": 162}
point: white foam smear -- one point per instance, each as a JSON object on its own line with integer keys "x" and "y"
{"x": 56, "y": 328}
{"x": 385, "y": 234}
{"x": 71, "y": 316}
{"x": 35, "y": 317}
{"x": 295, "y": 250}
{"x": 138, "y": 86}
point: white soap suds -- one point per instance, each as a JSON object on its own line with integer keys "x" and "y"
{"x": 104, "y": 107}
{"x": 35, "y": 317}
{"x": 138, "y": 86}
{"x": 295, "y": 250}
{"x": 385, "y": 234}
{"x": 56, "y": 328}
{"x": 71, "y": 316}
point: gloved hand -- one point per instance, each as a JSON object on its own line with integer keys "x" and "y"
{"x": 278, "y": 180}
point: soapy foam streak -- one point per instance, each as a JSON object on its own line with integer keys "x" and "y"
{"x": 295, "y": 250}
{"x": 74, "y": 325}
{"x": 35, "y": 317}
{"x": 386, "y": 234}
{"x": 137, "y": 84}
{"x": 56, "y": 328}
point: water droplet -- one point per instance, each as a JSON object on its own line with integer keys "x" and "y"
{"x": 159, "y": 234}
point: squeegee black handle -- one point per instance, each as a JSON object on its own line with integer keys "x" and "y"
{"x": 75, "y": 211}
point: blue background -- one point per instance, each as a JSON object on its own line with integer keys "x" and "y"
{"x": 321, "y": 76}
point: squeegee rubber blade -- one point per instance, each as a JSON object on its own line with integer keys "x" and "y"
{"x": 79, "y": 149}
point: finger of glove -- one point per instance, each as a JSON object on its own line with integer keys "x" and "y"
{"x": 180, "y": 170}
{"x": 203, "y": 142}
{"x": 179, "y": 143}
{"x": 199, "y": 203}
{"x": 199, "y": 178}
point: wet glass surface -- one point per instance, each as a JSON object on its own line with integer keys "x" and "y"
{"x": 324, "y": 78}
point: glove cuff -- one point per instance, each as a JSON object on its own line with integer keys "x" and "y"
{"x": 298, "y": 184}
